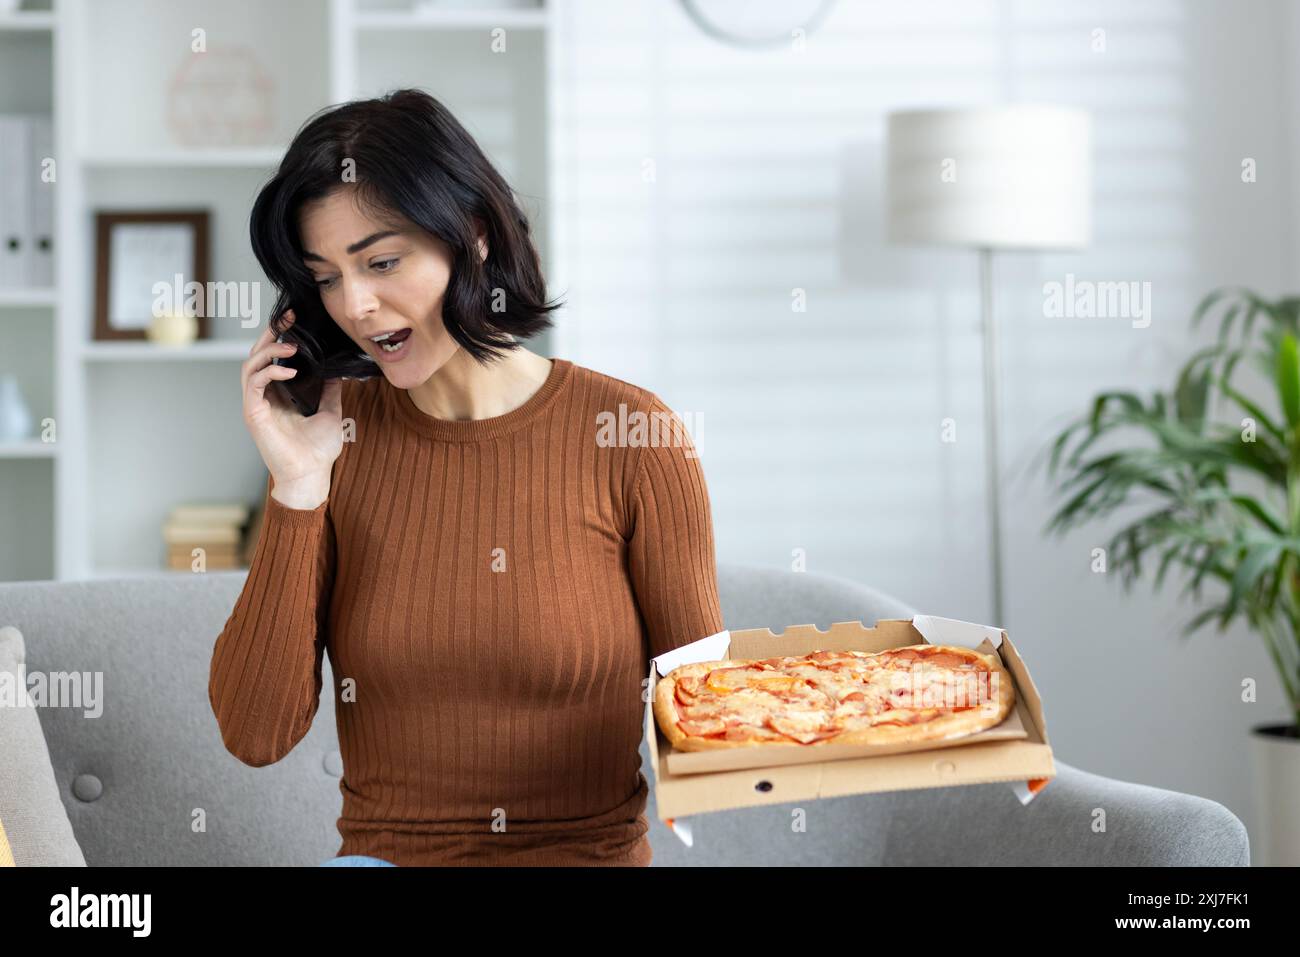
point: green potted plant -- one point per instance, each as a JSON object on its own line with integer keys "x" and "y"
{"x": 1214, "y": 467}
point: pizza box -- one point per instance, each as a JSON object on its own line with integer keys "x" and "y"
{"x": 1016, "y": 751}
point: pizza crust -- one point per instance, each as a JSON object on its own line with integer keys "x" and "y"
{"x": 943, "y": 725}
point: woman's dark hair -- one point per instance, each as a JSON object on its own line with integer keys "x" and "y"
{"x": 408, "y": 158}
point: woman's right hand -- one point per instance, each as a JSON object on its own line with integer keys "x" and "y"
{"x": 299, "y": 451}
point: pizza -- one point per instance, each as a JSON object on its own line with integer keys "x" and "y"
{"x": 900, "y": 695}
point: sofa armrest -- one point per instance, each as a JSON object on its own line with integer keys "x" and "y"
{"x": 987, "y": 825}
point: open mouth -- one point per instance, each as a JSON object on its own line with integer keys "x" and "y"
{"x": 392, "y": 343}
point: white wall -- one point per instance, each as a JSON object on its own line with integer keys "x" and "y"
{"x": 820, "y": 430}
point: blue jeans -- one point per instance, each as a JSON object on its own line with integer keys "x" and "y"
{"x": 357, "y": 860}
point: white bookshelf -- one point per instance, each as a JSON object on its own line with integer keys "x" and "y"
{"x": 201, "y": 350}
{"x": 17, "y": 298}
{"x": 251, "y": 157}
{"x": 36, "y": 21}
{"x": 28, "y": 468}
{"x": 143, "y": 427}
{"x": 28, "y": 449}
{"x": 455, "y": 18}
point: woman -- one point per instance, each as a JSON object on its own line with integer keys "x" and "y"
{"x": 488, "y": 565}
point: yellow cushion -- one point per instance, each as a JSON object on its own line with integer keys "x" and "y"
{"x": 6, "y": 855}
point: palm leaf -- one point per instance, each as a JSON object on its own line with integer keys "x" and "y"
{"x": 1288, "y": 379}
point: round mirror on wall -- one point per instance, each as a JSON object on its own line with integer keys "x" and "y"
{"x": 756, "y": 23}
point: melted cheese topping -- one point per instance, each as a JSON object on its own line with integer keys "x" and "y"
{"x": 818, "y": 696}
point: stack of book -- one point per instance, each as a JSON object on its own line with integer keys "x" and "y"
{"x": 218, "y": 529}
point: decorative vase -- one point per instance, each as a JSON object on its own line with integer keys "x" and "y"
{"x": 173, "y": 329}
{"x": 15, "y": 418}
{"x": 221, "y": 99}
{"x": 1276, "y": 755}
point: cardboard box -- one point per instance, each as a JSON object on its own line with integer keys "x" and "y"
{"x": 696, "y": 782}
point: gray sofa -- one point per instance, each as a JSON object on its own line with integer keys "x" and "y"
{"x": 135, "y": 778}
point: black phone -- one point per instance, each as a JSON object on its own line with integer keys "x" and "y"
{"x": 304, "y": 390}
{"x": 324, "y": 352}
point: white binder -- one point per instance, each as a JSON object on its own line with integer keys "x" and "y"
{"x": 41, "y": 248}
{"x": 15, "y": 201}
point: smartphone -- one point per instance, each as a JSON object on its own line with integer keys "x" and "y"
{"x": 324, "y": 352}
{"x": 304, "y": 389}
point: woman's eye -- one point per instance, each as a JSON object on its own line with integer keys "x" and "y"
{"x": 321, "y": 283}
{"x": 386, "y": 262}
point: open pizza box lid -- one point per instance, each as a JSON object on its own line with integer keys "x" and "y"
{"x": 696, "y": 782}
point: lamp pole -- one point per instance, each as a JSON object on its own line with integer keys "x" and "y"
{"x": 1026, "y": 184}
{"x": 992, "y": 410}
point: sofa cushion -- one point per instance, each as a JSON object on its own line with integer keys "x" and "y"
{"x": 34, "y": 818}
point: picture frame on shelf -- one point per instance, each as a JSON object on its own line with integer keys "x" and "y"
{"x": 134, "y": 251}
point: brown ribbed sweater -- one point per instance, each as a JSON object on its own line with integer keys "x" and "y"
{"x": 489, "y": 592}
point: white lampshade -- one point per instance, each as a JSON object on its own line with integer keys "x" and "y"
{"x": 1015, "y": 177}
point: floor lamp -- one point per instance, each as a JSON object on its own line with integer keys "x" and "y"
{"x": 1014, "y": 177}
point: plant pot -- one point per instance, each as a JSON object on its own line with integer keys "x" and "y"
{"x": 1276, "y": 750}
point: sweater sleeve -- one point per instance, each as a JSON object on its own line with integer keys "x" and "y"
{"x": 264, "y": 684}
{"x": 670, "y": 549}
